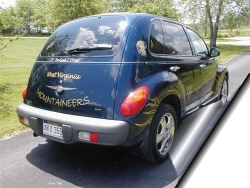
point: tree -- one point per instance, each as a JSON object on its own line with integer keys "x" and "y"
{"x": 214, "y": 26}
{"x": 61, "y": 11}
{"x": 237, "y": 13}
{"x": 120, "y": 5}
{"x": 8, "y": 20}
{"x": 24, "y": 13}
{"x": 157, "y": 7}
{"x": 207, "y": 11}
{"x": 211, "y": 12}
{"x": 40, "y": 15}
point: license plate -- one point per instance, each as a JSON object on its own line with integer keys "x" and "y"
{"x": 52, "y": 129}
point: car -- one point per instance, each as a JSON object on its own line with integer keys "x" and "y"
{"x": 123, "y": 80}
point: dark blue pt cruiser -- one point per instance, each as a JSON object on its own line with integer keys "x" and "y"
{"x": 121, "y": 79}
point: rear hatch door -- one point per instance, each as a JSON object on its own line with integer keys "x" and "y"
{"x": 80, "y": 89}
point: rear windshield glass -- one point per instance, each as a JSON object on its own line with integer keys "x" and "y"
{"x": 92, "y": 36}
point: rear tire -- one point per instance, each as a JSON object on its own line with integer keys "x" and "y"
{"x": 161, "y": 133}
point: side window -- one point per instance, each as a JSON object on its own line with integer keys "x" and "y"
{"x": 176, "y": 39}
{"x": 156, "y": 42}
{"x": 199, "y": 45}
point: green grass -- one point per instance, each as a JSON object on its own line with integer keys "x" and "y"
{"x": 229, "y": 52}
{"x": 224, "y": 33}
{"x": 15, "y": 68}
{"x": 234, "y": 32}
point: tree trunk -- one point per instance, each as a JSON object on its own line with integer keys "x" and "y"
{"x": 205, "y": 26}
{"x": 210, "y": 22}
{"x": 213, "y": 35}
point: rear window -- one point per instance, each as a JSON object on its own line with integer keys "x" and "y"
{"x": 91, "y": 36}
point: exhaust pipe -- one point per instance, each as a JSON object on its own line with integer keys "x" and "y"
{"x": 35, "y": 135}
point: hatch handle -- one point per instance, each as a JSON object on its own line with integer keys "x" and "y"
{"x": 202, "y": 66}
{"x": 175, "y": 68}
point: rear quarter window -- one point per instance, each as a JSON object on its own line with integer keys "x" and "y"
{"x": 86, "y": 33}
{"x": 199, "y": 45}
{"x": 156, "y": 39}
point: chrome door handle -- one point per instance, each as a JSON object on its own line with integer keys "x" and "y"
{"x": 202, "y": 66}
{"x": 176, "y": 68}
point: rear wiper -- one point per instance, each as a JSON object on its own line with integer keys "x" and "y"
{"x": 86, "y": 49}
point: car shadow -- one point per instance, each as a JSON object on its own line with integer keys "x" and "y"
{"x": 87, "y": 165}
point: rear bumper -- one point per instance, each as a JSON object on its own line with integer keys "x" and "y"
{"x": 110, "y": 132}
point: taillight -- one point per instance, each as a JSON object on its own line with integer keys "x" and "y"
{"x": 87, "y": 136}
{"x": 24, "y": 120}
{"x": 24, "y": 93}
{"x": 134, "y": 102}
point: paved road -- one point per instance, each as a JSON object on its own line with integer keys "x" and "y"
{"x": 35, "y": 162}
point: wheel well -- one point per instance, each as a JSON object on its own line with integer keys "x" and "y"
{"x": 174, "y": 101}
{"x": 226, "y": 75}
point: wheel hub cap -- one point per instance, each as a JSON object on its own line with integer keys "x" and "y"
{"x": 165, "y": 133}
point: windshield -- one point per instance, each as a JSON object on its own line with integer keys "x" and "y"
{"x": 102, "y": 32}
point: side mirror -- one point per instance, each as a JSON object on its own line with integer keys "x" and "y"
{"x": 214, "y": 52}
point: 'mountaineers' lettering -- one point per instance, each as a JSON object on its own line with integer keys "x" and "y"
{"x": 74, "y": 102}
{"x": 86, "y": 100}
{"x": 79, "y": 102}
{"x": 57, "y": 102}
{"x": 64, "y": 103}
{"x": 69, "y": 103}
{"x": 61, "y": 102}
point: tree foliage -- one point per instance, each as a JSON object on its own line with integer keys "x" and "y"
{"x": 157, "y": 7}
{"x": 40, "y": 16}
{"x": 211, "y": 13}
{"x": 8, "y": 20}
{"x": 237, "y": 13}
{"x": 120, "y": 5}
{"x": 24, "y": 13}
{"x": 34, "y": 15}
{"x": 61, "y": 11}
{"x": 204, "y": 11}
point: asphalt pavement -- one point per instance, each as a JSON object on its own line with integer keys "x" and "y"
{"x": 26, "y": 161}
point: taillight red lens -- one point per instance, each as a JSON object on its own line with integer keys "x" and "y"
{"x": 24, "y": 93}
{"x": 24, "y": 120}
{"x": 93, "y": 137}
{"x": 134, "y": 102}
{"x": 21, "y": 118}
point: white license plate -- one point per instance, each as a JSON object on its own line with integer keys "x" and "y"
{"x": 52, "y": 129}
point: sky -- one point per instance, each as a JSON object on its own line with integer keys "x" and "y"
{"x": 7, "y": 3}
